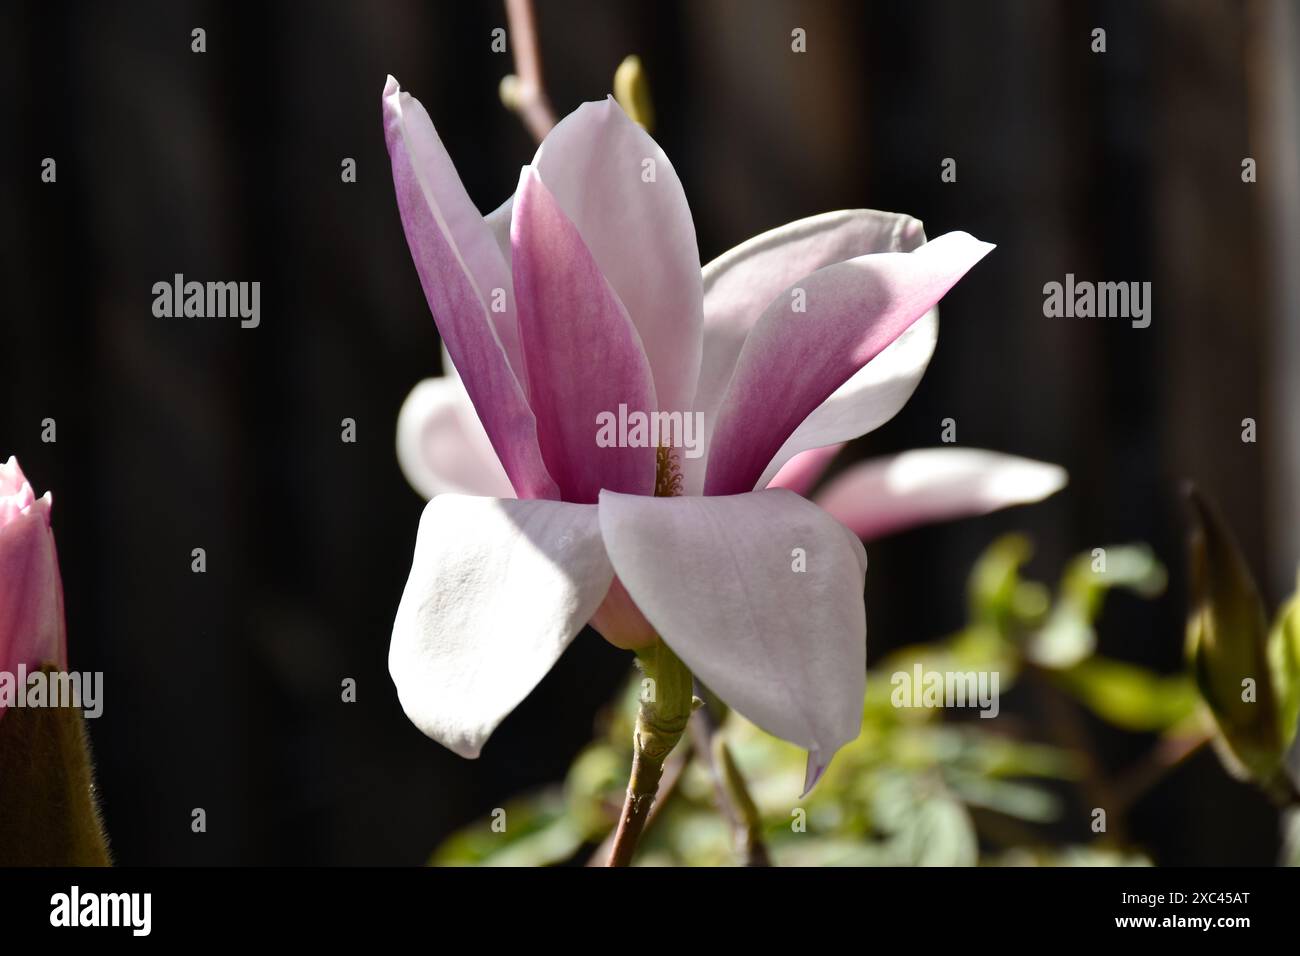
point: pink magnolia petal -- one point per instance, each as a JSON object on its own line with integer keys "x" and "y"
{"x": 874, "y": 395}
{"x": 498, "y": 221}
{"x": 719, "y": 580}
{"x": 31, "y": 591}
{"x": 442, "y": 447}
{"x": 498, "y": 589}
{"x": 16, "y": 494}
{"x": 801, "y": 472}
{"x": 409, "y": 129}
{"x": 583, "y": 354}
{"x": 596, "y": 162}
{"x": 890, "y": 494}
{"x": 460, "y": 266}
{"x": 793, "y": 361}
{"x": 12, "y": 482}
{"x": 619, "y": 621}
{"x": 32, "y": 630}
{"x": 741, "y": 283}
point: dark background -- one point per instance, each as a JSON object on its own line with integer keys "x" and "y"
{"x": 223, "y": 689}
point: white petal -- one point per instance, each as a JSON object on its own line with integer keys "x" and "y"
{"x": 498, "y": 589}
{"x": 717, "y": 578}
{"x": 442, "y": 446}
{"x": 918, "y": 487}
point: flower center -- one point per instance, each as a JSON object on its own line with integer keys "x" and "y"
{"x": 668, "y": 473}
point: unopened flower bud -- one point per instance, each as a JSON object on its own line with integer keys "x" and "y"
{"x": 632, "y": 91}
{"x": 1229, "y": 648}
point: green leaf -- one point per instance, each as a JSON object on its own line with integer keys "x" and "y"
{"x": 1000, "y": 757}
{"x": 938, "y": 832}
{"x": 1069, "y": 636}
{"x": 534, "y": 830}
{"x": 995, "y": 580}
{"x": 1020, "y": 800}
{"x": 1070, "y": 856}
{"x": 1129, "y": 696}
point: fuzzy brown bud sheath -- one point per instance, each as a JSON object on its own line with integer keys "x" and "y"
{"x": 48, "y": 815}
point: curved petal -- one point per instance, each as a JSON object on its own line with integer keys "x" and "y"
{"x": 618, "y": 187}
{"x": 741, "y": 283}
{"x": 619, "y": 621}
{"x": 497, "y": 591}
{"x": 874, "y": 395}
{"x": 801, "y": 472}
{"x": 583, "y": 355}
{"x": 795, "y": 359}
{"x": 460, "y": 270}
{"x": 720, "y": 580}
{"x": 441, "y": 444}
{"x": 410, "y": 130}
{"x": 889, "y": 494}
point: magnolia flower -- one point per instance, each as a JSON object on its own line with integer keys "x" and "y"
{"x": 582, "y": 295}
{"x": 31, "y": 591}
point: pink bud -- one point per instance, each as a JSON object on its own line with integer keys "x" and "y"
{"x": 32, "y": 630}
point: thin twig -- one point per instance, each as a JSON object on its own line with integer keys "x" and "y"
{"x": 734, "y": 801}
{"x": 642, "y": 788}
{"x": 1066, "y": 724}
{"x": 1167, "y": 754}
{"x": 524, "y": 92}
{"x": 703, "y": 727}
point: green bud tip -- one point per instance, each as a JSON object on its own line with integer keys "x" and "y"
{"x": 632, "y": 90}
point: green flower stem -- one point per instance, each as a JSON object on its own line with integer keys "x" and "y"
{"x": 666, "y": 707}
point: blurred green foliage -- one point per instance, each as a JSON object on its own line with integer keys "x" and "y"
{"x": 921, "y": 785}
